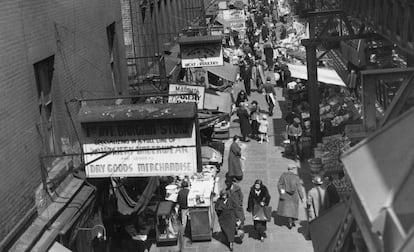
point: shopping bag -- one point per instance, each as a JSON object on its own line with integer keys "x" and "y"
{"x": 259, "y": 213}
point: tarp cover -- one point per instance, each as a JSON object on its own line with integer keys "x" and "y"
{"x": 227, "y": 71}
{"x": 325, "y": 75}
{"x": 209, "y": 118}
{"x": 379, "y": 165}
{"x": 220, "y": 101}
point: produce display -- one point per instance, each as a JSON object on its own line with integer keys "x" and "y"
{"x": 329, "y": 152}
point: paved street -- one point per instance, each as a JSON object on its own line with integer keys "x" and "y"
{"x": 263, "y": 161}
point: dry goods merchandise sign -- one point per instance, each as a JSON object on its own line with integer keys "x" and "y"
{"x": 185, "y": 97}
{"x": 200, "y": 55}
{"x": 157, "y": 149}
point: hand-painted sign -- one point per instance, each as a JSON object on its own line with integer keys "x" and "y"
{"x": 199, "y": 55}
{"x": 185, "y": 89}
{"x": 140, "y": 149}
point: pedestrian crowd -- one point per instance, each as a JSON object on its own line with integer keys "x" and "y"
{"x": 266, "y": 24}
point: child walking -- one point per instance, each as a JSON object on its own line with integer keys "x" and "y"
{"x": 263, "y": 127}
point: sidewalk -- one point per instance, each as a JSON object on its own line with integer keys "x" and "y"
{"x": 263, "y": 161}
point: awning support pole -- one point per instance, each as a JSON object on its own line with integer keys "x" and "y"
{"x": 316, "y": 136}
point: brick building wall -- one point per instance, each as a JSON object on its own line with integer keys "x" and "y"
{"x": 74, "y": 31}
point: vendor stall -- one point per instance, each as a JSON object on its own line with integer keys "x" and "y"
{"x": 204, "y": 187}
{"x": 141, "y": 148}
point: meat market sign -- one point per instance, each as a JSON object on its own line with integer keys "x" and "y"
{"x": 201, "y": 51}
{"x": 140, "y": 148}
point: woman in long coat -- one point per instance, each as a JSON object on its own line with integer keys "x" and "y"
{"x": 244, "y": 121}
{"x": 235, "y": 171}
{"x": 258, "y": 196}
{"x": 227, "y": 216}
{"x": 290, "y": 191}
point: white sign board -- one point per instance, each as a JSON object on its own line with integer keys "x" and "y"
{"x": 185, "y": 89}
{"x": 233, "y": 14}
{"x": 157, "y": 149}
{"x": 200, "y": 55}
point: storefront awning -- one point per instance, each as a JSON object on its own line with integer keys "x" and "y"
{"x": 200, "y": 40}
{"x": 73, "y": 199}
{"x": 379, "y": 168}
{"x": 227, "y": 71}
{"x": 325, "y": 75}
{"x": 209, "y": 118}
{"x": 136, "y": 112}
{"x": 171, "y": 61}
{"x": 220, "y": 101}
{"x": 324, "y": 229}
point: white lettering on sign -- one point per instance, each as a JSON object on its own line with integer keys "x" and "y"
{"x": 173, "y": 155}
{"x": 201, "y": 55}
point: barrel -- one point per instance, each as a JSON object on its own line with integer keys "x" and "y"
{"x": 315, "y": 165}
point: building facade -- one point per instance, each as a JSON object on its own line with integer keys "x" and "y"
{"x": 152, "y": 26}
{"x": 51, "y": 52}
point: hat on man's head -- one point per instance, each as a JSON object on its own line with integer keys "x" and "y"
{"x": 268, "y": 78}
{"x": 296, "y": 120}
{"x": 292, "y": 166}
{"x": 317, "y": 180}
{"x": 264, "y": 117}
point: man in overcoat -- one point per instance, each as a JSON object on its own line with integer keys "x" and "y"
{"x": 290, "y": 191}
{"x": 235, "y": 156}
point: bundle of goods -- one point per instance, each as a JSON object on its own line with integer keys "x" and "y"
{"x": 337, "y": 111}
{"x": 343, "y": 187}
{"x": 329, "y": 152}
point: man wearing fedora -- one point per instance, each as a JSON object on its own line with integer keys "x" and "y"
{"x": 317, "y": 201}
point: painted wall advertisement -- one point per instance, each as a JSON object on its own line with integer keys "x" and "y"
{"x": 199, "y": 55}
{"x": 198, "y": 98}
{"x": 140, "y": 149}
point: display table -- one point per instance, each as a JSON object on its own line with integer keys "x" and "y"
{"x": 200, "y": 203}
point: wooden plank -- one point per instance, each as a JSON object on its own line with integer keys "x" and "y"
{"x": 369, "y": 98}
{"x": 399, "y": 99}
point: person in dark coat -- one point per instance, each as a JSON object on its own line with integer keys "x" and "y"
{"x": 268, "y": 52}
{"x": 255, "y": 117}
{"x": 226, "y": 209}
{"x": 270, "y": 95}
{"x": 333, "y": 194}
{"x": 236, "y": 194}
{"x": 290, "y": 191}
{"x": 258, "y": 197}
{"x": 235, "y": 171}
{"x": 247, "y": 75}
{"x": 244, "y": 121}
{"x": 241, "y": 97}
{"x": 265, "y": 32}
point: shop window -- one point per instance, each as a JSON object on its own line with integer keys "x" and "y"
{"x": 44, "y": 75}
